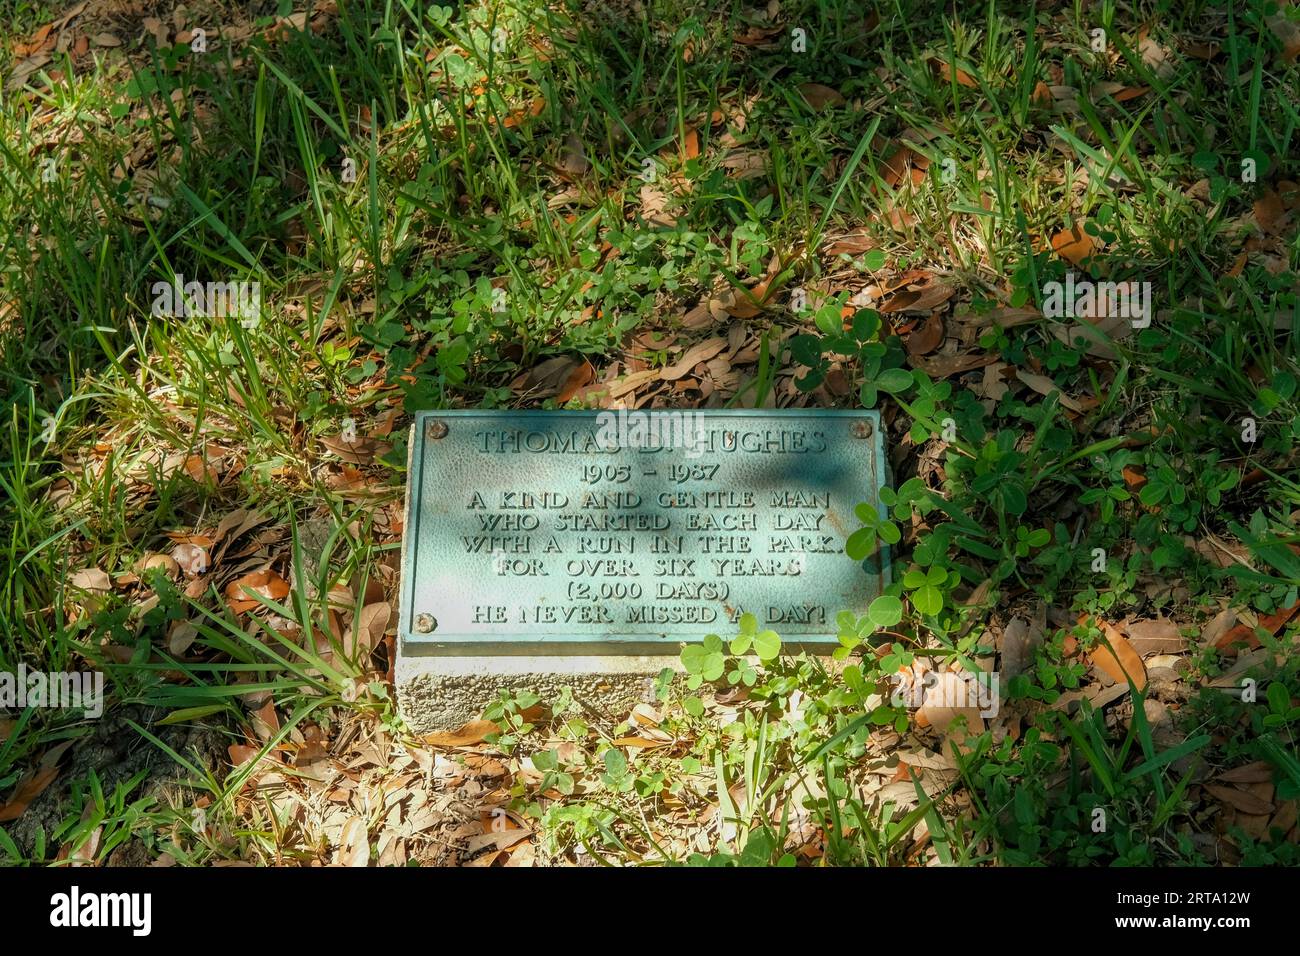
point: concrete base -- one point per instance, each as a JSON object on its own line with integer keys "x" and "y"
{"x": 439, "y": 693}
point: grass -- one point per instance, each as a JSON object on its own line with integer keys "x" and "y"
{"x": 436, "y": 202}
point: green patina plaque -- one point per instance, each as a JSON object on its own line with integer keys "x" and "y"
{"x": 577, "y": 532}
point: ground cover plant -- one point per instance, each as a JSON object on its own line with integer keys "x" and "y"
{"x": 1055, "y": 244}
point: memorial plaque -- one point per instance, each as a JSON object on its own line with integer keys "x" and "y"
{"x": 634, "y": 531}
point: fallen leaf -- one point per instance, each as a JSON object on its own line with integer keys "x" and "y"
{"x": 746, "y": 163}
{"x": 1155, "y": 636}
{"x": 897, "y": 165}
{"x": 265, "y": 721}
{"x": 690, "y": 147}
{"x": 654, "y": 206}
{"x": 819, "y": 96}
{"x": 1019, "y": 646}
{"x": 548, "y": 377}
{"x": 1287, "y": 32}
{"x": 1098, "y": 332}
{"x": 1117, "y": 91}
{"x": 1045, "y": 386}
{"x": 1285, "y": 819}
{"x": 1007, "y": 317}
{"x": 942, "y": 366}
{"x": 645, "y": 743}
{"x": 369, "y": 626}
{"x": 476, "y": 731}
{"x": 1239, "y": 799}
{"x": 192, "y": 558}
{"x": 747, "y": 303}
{"x": 578, "y": 379}
{"x": 947, "y": 72}
{"x": 1261, "y": 771}
{"x": 1134, "y": 479}
{"x": 533, "y": 109}
{"x": 1217, "y": 626}
{"x": 994, "y": 384}
{"x": 700, "y": 352}
{"x": 1244, "y": 633}
{"x": 757, "y": 36}
{"x": 1270, "y": 213}
{"x": 926, "y": 338}
{"x": 498, "y": 840}
{"x": 362, "y": 451}
{"x": 1073, "y": 245}
{"x": 1201, "y": 51}
{"x": 1120, "y": 661}
{"x": 852, "y": 244}
{"x": 265, "y": 583}
{"x": 182, "y": 635}
{"x": 354, "y": 843}
{"x": 923, "y": 298}
{"x": 91, "y": 580}
{"x": 34, "y": 43}
{"x": 164, "y": 562}
{"x": 28, "y": 789}
{"x": 25, "y": 68}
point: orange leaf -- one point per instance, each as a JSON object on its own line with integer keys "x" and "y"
{"x": 645, "y": 743}
{"x": 690, "y": 143}
{"x": 1119, "y": 660}
{"x": 35, "y": 43}
{"x": 1245, "y": 633}
{"x": 1134, "y": 479}
{"x": 516, "y": 117}
{"x": 1073, "y": 245}
{"x": 946, "y": 73}
{"x": 472, "y": 733}
{"x": 27, "y": 791}
{"x": 898, "y": 163}
{"x": 268, "y": 584}
{"x": 750, "y": 302}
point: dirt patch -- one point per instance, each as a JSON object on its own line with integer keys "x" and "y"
{"x": 115, "y": 752}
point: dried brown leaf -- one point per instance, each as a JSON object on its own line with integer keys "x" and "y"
{"x": 1239, "y": 799}
{"x": 1119, "y": 661}
{"x": 472, "y": 733}
{"x": 820, "y": 96}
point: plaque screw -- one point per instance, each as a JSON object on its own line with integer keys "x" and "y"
{"x": 436, "y": 429}
{"x": 862, "y": 429}
{"x": 728, "y": 439}
{"x": 426, "y": 623}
